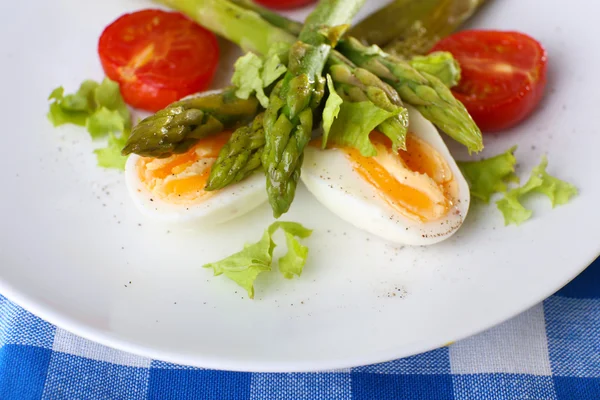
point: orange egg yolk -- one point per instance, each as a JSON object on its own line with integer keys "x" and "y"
{"x": 418, "y": 182}
{"x": 181, "y": 178}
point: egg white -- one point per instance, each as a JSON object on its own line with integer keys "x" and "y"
{"x": 329, "y": 176}
{"x": 224, "y": 205}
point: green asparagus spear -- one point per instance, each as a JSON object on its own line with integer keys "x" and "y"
{"x": 241, "y": 26}
{"x": 178, "y": 127}
{"x": 409, "y": 27}
{"x": 240, "y": 157}
{"x": 440, "y": 64}
{"x": 199, "y": 9}
{"x": 275, "y": 19}
{"x": 422, "y": 90}
{"x": 289, "y": 117}
{"x": 357, "y": 84}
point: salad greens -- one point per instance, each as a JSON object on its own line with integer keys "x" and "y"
{"x": 244, "y": 266}
{"x": 440, "y": 64}
{"x": 355, "y": 123}
{"x": 110, "y": 156}
{"x": 253, "y": 74}
{"x": 331, "y": 110}
{"x": 490, "y": 176}
{"x": 559, "y": 192}
{"x": 101, "y": 109}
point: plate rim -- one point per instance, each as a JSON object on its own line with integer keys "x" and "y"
{"x": 72, "y": 325}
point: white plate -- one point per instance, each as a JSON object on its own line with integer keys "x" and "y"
{"x": 75, "y": 251}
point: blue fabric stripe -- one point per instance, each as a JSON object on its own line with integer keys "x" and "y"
{"x": 569, "y": 388}
{"x": 23, "y": 371}
{"x": 184, "y": 384}
{"x": 369, "y": 386}
{"x": 586, "y": 285}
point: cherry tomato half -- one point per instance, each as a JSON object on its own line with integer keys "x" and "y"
{"x": 284, "y": 4}
{"x": 158, "y": 57}
{"x": 503, "y": 75}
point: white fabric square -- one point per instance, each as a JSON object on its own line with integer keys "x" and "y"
{"x": 69, "y": 343}
{"x": 518, "y": 346}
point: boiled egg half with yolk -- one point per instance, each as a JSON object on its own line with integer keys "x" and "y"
{"x": 413, "y": 197}
{"x": 172, "y": 189}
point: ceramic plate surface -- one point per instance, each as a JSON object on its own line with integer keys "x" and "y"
{"x": 75, "y": 251}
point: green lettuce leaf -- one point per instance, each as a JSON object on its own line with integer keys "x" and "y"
{"x": 104, "y": 121}
{"x": 92, "y": 101}
{"x": 354, "y": 124}
{"x": 247, "y": 78}
{"x": 61, "y": 111}
{"x": 101, "y": 109}
{"x": 245, "y": 266}
{"x": 558, "y": 192}
{"x": 331, "y": 110}
{"x": 110, "y": 156}
{"x": 59, "y": 116}
{"x": 82, "y": 100}
{"x": 440, "y": 64}
{"x": 396, "y": 130}
{"x": 491, "y": 175}
{"x": 108, "y": 95}
{"x": 293, "y": 262}
{"x": 253, "y": 74}
{"x": 272, "y": 70}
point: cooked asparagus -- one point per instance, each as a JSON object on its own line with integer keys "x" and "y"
{"x": 420, "y": 89}
{"x": 181, "y": 125}
{"x": 240, "y": 157}
{"x": 408, "y": 27}
{"x": 244, "y": 27}
{"x": 289, "y": 117}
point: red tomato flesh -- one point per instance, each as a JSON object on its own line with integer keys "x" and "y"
{"x": 158, "y": 57}
{"x": 503, "y": 75}
{"x": 284, "y": 4}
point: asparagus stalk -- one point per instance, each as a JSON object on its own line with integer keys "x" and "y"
{"x": 178, "y": 127}
{"x": 438, "y": 65}
{"x": 357, "y": 84}
{"x": 275, "y": 19}
{"x": 409, "y": 27}
{"x": 244, "y": 27}
{"x": 244, "y": 19}
{"x": 422, "y": 90}
{"x": 289, "y": 117}
{"x": 240, "y": 157}
{"x": 448, "y": 16}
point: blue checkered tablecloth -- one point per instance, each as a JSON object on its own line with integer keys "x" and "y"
{"x": 551, "y": 351}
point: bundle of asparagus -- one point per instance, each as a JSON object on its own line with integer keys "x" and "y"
{"x": 303, "y": 55}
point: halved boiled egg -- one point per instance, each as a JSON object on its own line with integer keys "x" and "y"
{"x": 414, "y": 197}
{"x": 172, "y": 189}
